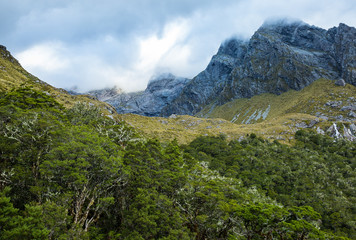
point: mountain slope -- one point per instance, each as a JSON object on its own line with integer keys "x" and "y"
{"x": 317, "y": 106}
{"x": 13, "y": 75}
{"x": 322, "y": 98}
{"x": 278, "y": 57}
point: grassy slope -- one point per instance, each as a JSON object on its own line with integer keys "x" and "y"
{"x": 187, "y": 128}
{"x": 310, "y": 100}
{"x": 12, "y": 75}
{"x": 286, "y": 112}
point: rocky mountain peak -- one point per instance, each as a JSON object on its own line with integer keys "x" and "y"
{"x": 164, "y": 82}
{"x": 106, "y": 93}
{"x": 231, "y": 47}
{"x": 280, "y": 56}
{"x": 296, "y": 33}
{"x": 281, "y": 25}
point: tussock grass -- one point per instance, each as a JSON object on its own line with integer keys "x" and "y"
{"x": 186, "y": 128}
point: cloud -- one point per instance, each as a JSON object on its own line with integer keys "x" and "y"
{"x": 88, "y": 68}
{"x": 153, "y": 48}
{"x": 44, "y": 57}
{"x": 96, "y": 44}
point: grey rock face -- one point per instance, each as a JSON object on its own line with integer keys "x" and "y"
{"x": 344, "y": 50}
{"x": 278, "y": 57}
{"x": 351, "y": 107}
{"x": 342, "y": 132}
{"x": 333, "y": 131}
{"x": 208, "y": 84}
{"x": 160, "y": 91}
{"x": 353, "y": 128}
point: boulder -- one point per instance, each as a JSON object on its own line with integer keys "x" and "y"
{"x": 340, "y": 82}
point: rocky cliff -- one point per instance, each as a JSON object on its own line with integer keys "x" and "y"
{"x": 209, "y": 84}
{"x": 161, "y": 91}
{"x": 280, "y": 56}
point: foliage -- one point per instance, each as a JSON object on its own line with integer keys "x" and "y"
{"x": 77, "y": 174}
{"x": 318, "y": 171}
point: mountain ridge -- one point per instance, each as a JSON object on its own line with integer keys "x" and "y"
{"x": 280, "y": 56}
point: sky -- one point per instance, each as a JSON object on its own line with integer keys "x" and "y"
{"x": 87, "y": 44}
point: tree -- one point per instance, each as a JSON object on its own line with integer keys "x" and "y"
{"x": 147, "y": 207}
{"x": 85, "y": 169}
{"x": 15, "y": 226}
{"x": 29, "y": 122}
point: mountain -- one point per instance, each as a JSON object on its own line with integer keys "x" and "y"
{"x": 280, "y": 56}
{"x": 160, "y": 92}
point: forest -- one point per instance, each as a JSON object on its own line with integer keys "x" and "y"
{"x": 77, "y": 174}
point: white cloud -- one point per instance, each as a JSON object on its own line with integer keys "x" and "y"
{"x": 166, "y": 51}
{"x": 62, "y": 67}
{"x": 85, "y": 68}
{"x": 44, "y": 57}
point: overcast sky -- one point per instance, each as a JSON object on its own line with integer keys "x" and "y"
{"x": 95, "y": 44}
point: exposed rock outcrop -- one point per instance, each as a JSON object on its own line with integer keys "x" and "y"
{"x": 209, "y": 84}
{"x": 342, "y": 132}
{"x": 106, "y": 93}
{"x": 5, "y": 54}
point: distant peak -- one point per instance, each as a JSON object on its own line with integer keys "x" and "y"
{"x": 233, "y": 41}
{"x": 5, "y": 54}
{"x": 345, "y": 26}
{"x": 231, "y": 46}
{"x": 273, "y": 23}
{"x": 161, "y": 76}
